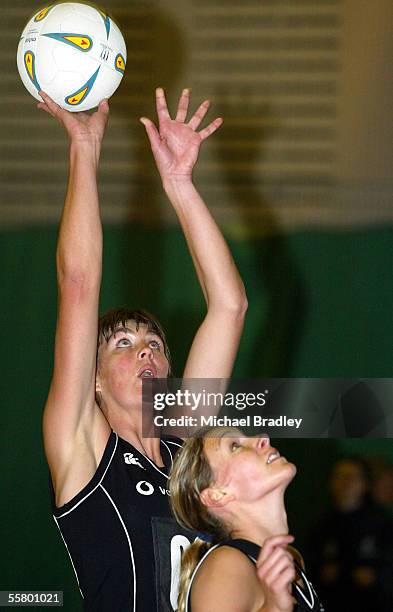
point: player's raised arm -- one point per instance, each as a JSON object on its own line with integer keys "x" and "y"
{"x": 73, "y": 425}
{"x": 175, "y": 145}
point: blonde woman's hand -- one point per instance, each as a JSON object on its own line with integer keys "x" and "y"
{"x": 276, "y": 572}
{"x": 175, "y": 143}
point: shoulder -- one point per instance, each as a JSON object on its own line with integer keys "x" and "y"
{"x": 226, "y": 575}
{"x": 227, "y": 557}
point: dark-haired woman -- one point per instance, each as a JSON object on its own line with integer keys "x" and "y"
{"x": 110, "y": 483}
{"x": 232, "y": 488}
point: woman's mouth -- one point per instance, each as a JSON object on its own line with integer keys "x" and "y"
{"x": 273, "y": 456}
{"x": 147, "y": 372}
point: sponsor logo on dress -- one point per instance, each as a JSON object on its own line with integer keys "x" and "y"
{"x": 146, "y": 488}
{"x": 131, "y": 460}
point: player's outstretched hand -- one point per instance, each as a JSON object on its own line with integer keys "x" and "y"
{"x": 176, "y": 143}
{"x": 276, "y": 571}
{"x": 80, "y": 127}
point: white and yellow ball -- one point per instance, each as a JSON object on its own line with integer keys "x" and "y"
{"x": 74, "y": 52}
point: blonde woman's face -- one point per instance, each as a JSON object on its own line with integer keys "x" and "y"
{"x": 248, "y": 467}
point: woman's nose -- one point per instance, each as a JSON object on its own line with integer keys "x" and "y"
{"x": 145, "y": 351}
{"x": 262, "y": 441}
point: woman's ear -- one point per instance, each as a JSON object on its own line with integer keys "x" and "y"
{"x": 215, "y": 497}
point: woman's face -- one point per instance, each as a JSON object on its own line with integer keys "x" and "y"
{"x": 129, "y": 356}
{"x": 249, "y": 467}
{"x": 348, "y": 483}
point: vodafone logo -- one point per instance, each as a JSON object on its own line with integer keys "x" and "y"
{"x": 144, "y": 488}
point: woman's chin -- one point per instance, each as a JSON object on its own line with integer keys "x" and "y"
{"x": 292, "y": 469}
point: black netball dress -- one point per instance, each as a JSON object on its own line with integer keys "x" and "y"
{"x": 306, "y": 598}
{"x": 123, "y": 543}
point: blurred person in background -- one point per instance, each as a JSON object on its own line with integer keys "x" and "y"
{"x": 382, "y": 483}
{"x": 350, "y": 548}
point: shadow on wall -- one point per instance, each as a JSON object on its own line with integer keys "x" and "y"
{"x": 161, "y": 63}
{"x": 278, "y": 303}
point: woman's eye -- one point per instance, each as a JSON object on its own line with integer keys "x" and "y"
{"x": 123, "y": 342}
{"x": 155, "y": 344}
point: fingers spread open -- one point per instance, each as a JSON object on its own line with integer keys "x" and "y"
{"x": 161, "y": 105}
{"x": 212, "y": 127}
{"x": 199, "y": 115}
{"x": 151, "y": 131}
{"x": 182, "y": 108}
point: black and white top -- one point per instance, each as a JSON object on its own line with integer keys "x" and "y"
{"x": 123, "y": 543}
{"x": 306, "y": 598}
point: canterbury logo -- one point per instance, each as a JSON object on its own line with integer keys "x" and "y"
{"x": 131, "y": 460}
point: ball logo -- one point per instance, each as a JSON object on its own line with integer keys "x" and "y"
{"x": 29, "y": 61}
{"x": 78, "y": 96}
{"x": 107, "y": 22}
{"x": 144, "y": 488}
{"x": 105, "y": 52}
{"x": 78, "y": 41}
{"x": 120, "y": 64}
{"x": 42, "y": 14}
{"x": 83, "y": 42}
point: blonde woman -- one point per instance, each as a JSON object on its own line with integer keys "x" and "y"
{"x": 232, "y": 488}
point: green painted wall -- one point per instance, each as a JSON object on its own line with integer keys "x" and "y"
{"x": 320, "y": 306}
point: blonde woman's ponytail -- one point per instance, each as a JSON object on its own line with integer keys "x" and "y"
{"x": 190, "y": 560}
{"x": 191, "y": 474}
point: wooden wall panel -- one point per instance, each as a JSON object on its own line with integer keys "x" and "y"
{"x": 275, "y": 70}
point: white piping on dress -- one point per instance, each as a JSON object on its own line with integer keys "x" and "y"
{"x": 97, "y": 485}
